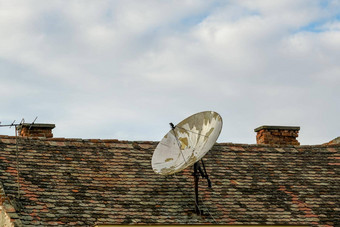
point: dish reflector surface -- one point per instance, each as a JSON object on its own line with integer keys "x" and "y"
{"x": 187, "y": 143}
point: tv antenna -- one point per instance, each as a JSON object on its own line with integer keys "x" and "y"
{"x": 22, "y": 122}
{"x": 18, "y": 124}
{"x": 185, "y": 145}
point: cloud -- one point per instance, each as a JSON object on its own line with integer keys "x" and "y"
{"x": 125, "y": 69}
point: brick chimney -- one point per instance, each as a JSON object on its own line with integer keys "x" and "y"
{"x": 36, "y": 130}
{"x": 278, "y": 135}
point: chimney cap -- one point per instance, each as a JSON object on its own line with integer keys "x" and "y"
{"x": 273, "y": 127}
{"x": 36, "y": 125}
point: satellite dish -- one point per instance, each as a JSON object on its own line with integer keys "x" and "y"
{"x": 187, "y": 142}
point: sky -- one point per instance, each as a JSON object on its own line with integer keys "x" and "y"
{"x": 126, "y": 69}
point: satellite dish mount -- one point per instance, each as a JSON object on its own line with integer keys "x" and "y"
{"x": 197, "y": 172}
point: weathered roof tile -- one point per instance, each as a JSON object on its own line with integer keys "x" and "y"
{"x": 83, "y": 182}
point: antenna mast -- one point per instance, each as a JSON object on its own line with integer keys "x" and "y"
{"x": 16, "y": 147}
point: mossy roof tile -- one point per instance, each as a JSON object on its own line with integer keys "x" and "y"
{"x": 87, "y": 182}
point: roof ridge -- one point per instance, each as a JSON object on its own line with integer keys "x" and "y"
{"x": 5, "y": 139}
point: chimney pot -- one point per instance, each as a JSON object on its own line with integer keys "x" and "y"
{"x": 277, "y": 135}
{"x": 36, "y": 130}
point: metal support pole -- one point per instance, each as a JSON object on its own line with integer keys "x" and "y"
{"x": 196, "y": 177}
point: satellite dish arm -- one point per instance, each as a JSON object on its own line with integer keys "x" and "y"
{"x": 205, "y": 174}
{"x": 200, "y": 170}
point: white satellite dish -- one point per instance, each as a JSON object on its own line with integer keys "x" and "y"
{"x": 186, "y": 144}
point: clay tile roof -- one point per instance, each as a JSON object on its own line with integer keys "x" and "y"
{"x": 334, "y": 141}
{"x": 87, "y": 182}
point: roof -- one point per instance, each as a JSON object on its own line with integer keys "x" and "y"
{"x": 88, "y": 182}
{"x": 335, "y": 141}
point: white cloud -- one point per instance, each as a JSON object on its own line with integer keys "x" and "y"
{"x": 136, "y": 65}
